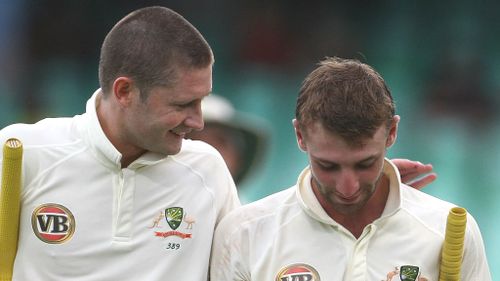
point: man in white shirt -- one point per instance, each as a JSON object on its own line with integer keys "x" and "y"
{"x": 117, "y": 193}
{"x": 349, "y": 217}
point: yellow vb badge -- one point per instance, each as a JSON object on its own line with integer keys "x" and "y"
{"x": 53, "y": 223}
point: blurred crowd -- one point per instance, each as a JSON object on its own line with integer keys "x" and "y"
{"x": 49, "y": 47}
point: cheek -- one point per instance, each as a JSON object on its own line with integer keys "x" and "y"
{"x": 160, "y": 117}
{"x": 324, "y": 178}
{"x": 134, "y": 121}
{"x": 173, "y": 119}
{"x": 330, "y": 179}
{"x": 371, "y": 176}
{"x": 162, "y": 122}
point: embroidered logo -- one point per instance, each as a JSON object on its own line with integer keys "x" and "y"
{"x": 174, "y": 216}
{"x": 53, "y": 223}
{"x": 298, "y": 272}
{"x": 405, "y": 273}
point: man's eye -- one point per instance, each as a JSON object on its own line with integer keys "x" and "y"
{"x": 329, "y": 167}
{"x": 184, "y": 105}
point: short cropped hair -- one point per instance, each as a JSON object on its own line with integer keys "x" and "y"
{"x": 347, "y": 97}
{"x": 149, "y": 45}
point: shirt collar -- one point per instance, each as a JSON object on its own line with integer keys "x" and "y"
{"x": 102, "y": 146}
{"x": 307, "y": 199}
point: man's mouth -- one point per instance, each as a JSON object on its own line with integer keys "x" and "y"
{"x": 350, "y": 198}
{"x": 179, "y": 133}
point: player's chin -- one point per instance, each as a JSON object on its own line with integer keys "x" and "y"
{"x": 170, "y": 151}
{"x": 347, "y": 208}
{"x": 173, "y": 147}
{"x": 169, "y": 146}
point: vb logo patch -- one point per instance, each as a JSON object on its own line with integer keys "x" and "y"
{"x": 298, "y": 272}
{"x": 53, "y": 223}
{"x": 405, "y": 273}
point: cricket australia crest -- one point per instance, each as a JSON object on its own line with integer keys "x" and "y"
{"x": 406, "y": 273}
{"x": 174, "y": 216}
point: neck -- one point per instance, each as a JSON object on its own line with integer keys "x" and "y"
{"x": 110, "y": 127}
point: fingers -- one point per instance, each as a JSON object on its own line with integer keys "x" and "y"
{"x": 404, "y": 164}
{"x": 416, "y": 167}
{"x": 415, "y": 173}
{"x": 411, "y": 173}
{"x": 423, "y": 181}
{"x": 408, "y": 166}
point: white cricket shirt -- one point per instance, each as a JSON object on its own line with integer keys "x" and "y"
{"x": 85, "y": 218}
{"x": 289, "y": 237}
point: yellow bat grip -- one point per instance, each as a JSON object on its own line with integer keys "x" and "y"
{"x": 10, "y": 206}
{"x": 453, "y": 248}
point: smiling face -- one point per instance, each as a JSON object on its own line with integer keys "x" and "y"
{"x": 344, "y": 177}
{"x": 159, "y": 123}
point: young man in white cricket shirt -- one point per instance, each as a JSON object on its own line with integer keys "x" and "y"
{"x": 349, "y": 217}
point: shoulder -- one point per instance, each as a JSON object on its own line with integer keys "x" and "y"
{"x": 428, "y": 209}
{"x": 267, "y": 213}
{"x": 49, "y": 131}
{"x": 434, "y": 213}
{"x": 415, "y": 199}
{"x": 204, "y": 161}
{"x": 201, "y": 158}
{"x": 46, "y": 144}
{"x": 194, "y": 150}
{"x": 46, "y": 140}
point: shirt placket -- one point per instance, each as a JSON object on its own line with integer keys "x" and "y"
{"x": 123, "y": 206}
{"x": 357, "y": 267}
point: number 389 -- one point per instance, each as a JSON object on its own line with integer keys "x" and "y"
{"x": 173, "y": 246}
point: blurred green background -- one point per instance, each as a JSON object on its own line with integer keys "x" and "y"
{"x": 441, "y": 59}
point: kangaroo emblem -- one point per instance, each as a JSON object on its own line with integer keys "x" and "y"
{"x": 156, "y": 221}
{"x": 189, "y": 220}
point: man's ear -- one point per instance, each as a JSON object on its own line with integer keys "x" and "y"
{"x": 123, "y": 90}
{"x": 299, "y": 135}
{"x": 393, "y": 131}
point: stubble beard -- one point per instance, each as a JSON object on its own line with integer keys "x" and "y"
{"x": 341, "y": 207}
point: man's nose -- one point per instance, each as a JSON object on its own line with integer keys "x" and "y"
{"x": 195, "y": 118}
{"x": 348, "y": 184}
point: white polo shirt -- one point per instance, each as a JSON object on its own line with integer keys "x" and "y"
{"x": 85, "y": 218}
{"x": 289, "y": 237}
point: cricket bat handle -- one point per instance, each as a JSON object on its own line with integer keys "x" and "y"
{"x": 10, "y": 195}
{"x": 453, "y": 247}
